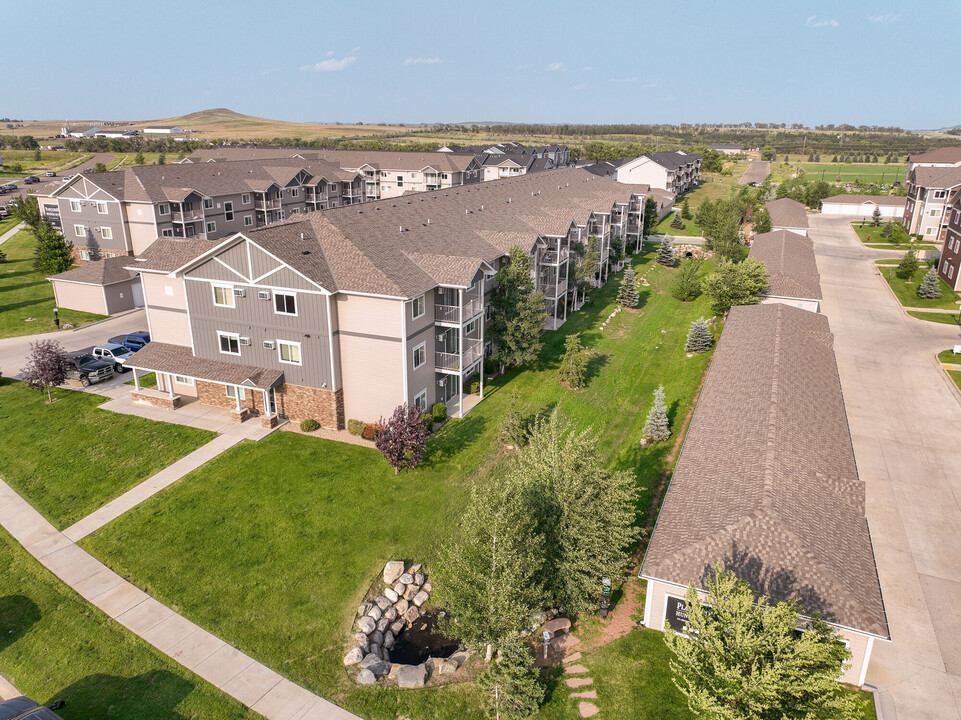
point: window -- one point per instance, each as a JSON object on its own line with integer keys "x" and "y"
{"x": 102, "y": 208}
{"x": 420, "y": 400}
{"x": 294, "y": 192}
{"x": 245, "y": 199}
{"x": 470, "y": 327}
{"x": 164, "y": 209}
{"x": 417, "y": 307}
{"x": 420, "y": 355}
{"x": 444, "y": 176}
{"x": 223, "y": 296}
{"x": 169, "y": 290}
{"x": 280, "y": 214}
{"x": 940, "y": 194}
{"x": 248, "y": 220}
{"x": 229, "y": 343}
{"x": 285, "y": 304}
{"x": 228, "y": 211}
{"x": 929, "y": 231}
{"x": 211, "y": 227}
{"x": 950, "y": 272}
{"x": 76, "y": 205}
{"x": 106, "y": 233}
{"x": 183, "y": 380}
{"x": 80, "y": 230}
{"x": 167, "y": 232}
{"x": 289, "y": 352}
{"x": 935, "y": 212}
{"x": 208, "y": 203}
{"x": 187, "y": 206}
{"x": 234, "y": 390}
{"x": 400, "y": 181}
{"x": 86, "y": 255}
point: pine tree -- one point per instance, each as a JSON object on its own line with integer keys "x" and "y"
{"x": 876, "y": 217}
{"x": 518, "y": 312}
{"x": 53, "y": 253}
{"x": 687, "y": 280}
{"x": 665, "y": 253}
{"x": 930, "y": 287}
{"x": 686, "y": 210}
{"x": 677, "y": 222}
{"x": 573, "y": 367}
{"x": 908, "y": 266}
{"x": 699, "y": 338}
{"x": 139, "y": 159}
{"x": 651, "y": 218}
{"x": 656, "y": 426}
{"x": 887, "y": 229}
{"x": 511, "y": 685}
{"x": 513, "y": 427}
{"x": 627, "y": 294}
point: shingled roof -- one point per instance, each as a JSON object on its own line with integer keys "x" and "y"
{"x": 938, "y": 178}
{"x": 787, "y": 213}
{"x": 885, "y": 200}
{"x": 98, "y": 272}
{"x": 673, "y": 159}
{"x": 164, "y": 357}
{"x": 766, "y": 484}
{"x": 941, "y": 155}
{"x": 789, "y": 259}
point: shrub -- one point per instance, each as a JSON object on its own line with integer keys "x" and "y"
{"x": 428, "y": 422}
{"x": 930, "y": 287}
{"x": 370, "y": 430}
{"x": 474, "y": 387}
{"x": 355, "y": 427}
{"x": 908, "y": 266}
{"x": 403, "y": 438}
{"x": 309, "y": 425}
{"x": 438, "y": 411}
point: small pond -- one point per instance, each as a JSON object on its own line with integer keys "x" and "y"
{"x": 423, "y": 640}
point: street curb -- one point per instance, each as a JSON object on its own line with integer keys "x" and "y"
{"x": 883, "y": 702}
{"x": 97, "y": 322}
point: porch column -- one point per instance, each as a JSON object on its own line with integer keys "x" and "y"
{"x": 136, "y": 381}
{"x": 237, "y": 396}
{"x": 460, "y": 352}
{"x": 482, "y": 324}
{"x": 170, "y": 385}
{"x": 266, "y": 405}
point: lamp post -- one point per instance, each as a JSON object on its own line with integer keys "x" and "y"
{"x": 56, "y": 317}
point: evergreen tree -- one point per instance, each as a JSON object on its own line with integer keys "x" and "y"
{"x": 686, "y": 210}
{"x": 700, "y": 339}
{"x": 930, "y": 287}
{"x": 771, "y": 671}
{"x": 762, "y": 220}
{"x": 585, "y": 268}
{"x": 36, "y": 155}
{"x": 908, "y": 266}
{"x": 736, "y": 284}
{"x": 162, "y": 159}
{"x": 511, "y": 685}
{"x": 651, "y": 218}
{"x": 834, "y": 159}
{"x": 518, "y": 313}
{"x": 627, "y": 294}
{"x": 876, "y": 217}
{"x": 53, "y": 253}
{"x": 573, "y": 369}
{"x": 677, "y": 222}
{"x": 887, "y": 229}
{"x": 665, "y": 253}
{"x": 656, "y": 426}
{"x": 139, "y": 158}
{"x": 687, "y": 281}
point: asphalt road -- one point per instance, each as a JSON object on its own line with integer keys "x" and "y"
{"x": 756, "y": 172}
{"x": 105, "y": 158}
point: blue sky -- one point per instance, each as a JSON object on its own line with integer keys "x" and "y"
{"x": 594, "y": 62}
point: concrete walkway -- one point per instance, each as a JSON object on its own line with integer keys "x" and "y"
{"x": 11, "y": 232}
{"x": 149, "y": 487}
{"x": 904, "y": 419}
{"x": 240, "y": 676}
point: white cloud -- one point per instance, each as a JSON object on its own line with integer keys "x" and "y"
{"x": 330, "y": 53}
{"x": 422, "y": 61}
{"x": 555, "y": 66}
{"x": 330, "y": 65}
{"x": 586, "y": 69}
{"x": 624, "y": 80}
{"x": 886, "y": 18}
{"x": 814, "y": 22}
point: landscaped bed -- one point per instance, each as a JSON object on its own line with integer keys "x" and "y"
{"x": 68, "y": 458}
{"x": 870, "y": 236}
{"x": 272, "y": 545}
{"x": 907, "y": 293}
{"x": 55, "y": 645}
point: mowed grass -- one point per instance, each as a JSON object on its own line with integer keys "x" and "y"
{"x": 907, "y": 292}
{"x": 69, "y": 458}
{"x": 26, "y": 293}
{"x": 870, "y": 236}
{"x": 877, "y": 173}
{"x": 49, "y": 160}
{"x": 942, "y": 318}
{"x": 690, "y": 229}
{"x": 54, "y": 645}
{"x": 272, "y": 545}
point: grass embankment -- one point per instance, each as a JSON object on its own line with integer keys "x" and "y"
{"x": 870, "y": 236}
{"x": 951, "y": 358}
{"x": 26, "y": 293}
{"x": 690, "y": 229}
{"x": 272, "y": 545}
{"x": 54, "y": 645}
{"x": 907, "y": 292}
{"x": 49, "y": 160}
{"x": 943, "y": 318}
{"x": 69, "y": 458}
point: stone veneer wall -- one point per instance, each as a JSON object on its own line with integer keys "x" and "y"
{"x": 215, "y": 394}
{"x": 298, "y": 402}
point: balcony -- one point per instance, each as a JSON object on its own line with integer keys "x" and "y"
{"x": 265, "y": 205}
{"x": 553, "y": 257}
{"x": 186, "y": 217}
{"x": 456, "y": 362}
{"x": 451, "y": 313}
{"x": 552, "y": 289}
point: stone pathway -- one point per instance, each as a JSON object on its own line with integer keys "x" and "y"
{"x": 149, "y": 487}
{"x": 240, "y": 676}
{"x": 573, "y": 667}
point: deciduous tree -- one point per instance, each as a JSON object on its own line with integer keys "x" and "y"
{"x": 403, "y": 438}
{"x": 518, "y": 312}
{"x": 736, "y": 284}
{"x": 762, "y": 220}
{"x": 46, "y": 366}
{"x": 26, "y": 210}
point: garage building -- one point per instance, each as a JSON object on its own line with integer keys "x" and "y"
{"x": 792, "y": 267}
{"x": 861, "y": 207}
{"x": 103, "y": 286}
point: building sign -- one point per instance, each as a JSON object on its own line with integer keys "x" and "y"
{"x": 52, "y": 213}
{"x": 676, "y": 614}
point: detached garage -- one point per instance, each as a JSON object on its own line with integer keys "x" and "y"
{"x": 861, "y": 207}
{"x": 103, "y": 287}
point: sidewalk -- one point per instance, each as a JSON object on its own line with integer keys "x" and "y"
{"x": 11, "y": 232}
{"x": 240, "y": 676}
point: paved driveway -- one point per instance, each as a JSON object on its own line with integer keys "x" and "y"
{"x": 756, "y": 172}
{"x": 904, "y": 417}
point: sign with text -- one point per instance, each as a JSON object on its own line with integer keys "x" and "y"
{"x": 52, "y": 213}
{"x": 676, "y": 614}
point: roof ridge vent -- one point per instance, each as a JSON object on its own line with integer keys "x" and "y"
{"x": 428, "y": 221}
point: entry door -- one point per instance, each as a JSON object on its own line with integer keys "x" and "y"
{"x": 137, "y": 294}
{"x": 271, "y": 402}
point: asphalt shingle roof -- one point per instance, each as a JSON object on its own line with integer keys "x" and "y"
{"x": 787, "y": 213}
{"x": 99, "y": 272}
{"x": 790, "y": 262}
{"x": 164, "y": 357}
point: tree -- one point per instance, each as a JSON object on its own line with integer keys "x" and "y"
{"x": 617, "y": 250}
{"x": 687, "y": 282}
{"x": 513, "y": 426}
{"x": 3, "y": 256}
{"x": 586, "y": 267}
{"x": 887, "y": 229}
{"x": 700, "y": 339}
{"x": 162, "y": 159}
{"x": 573, "y": 367}
{"x": 908, "y": 266}
{"x": 749, "y": 662}
{"x": 36, "y": 155}
{"x": 627, "y": 293}
{"x": 930, "y": 287}
{"x": 762, "y": 220}
{"x": 876, "y": 217}
{"x": 676, "y": 222}
{"x": 665, "y": 253}
{"x": 585, "y": 511}
{"x": 511, "y": 685}
{"x": 686, "y": 210}
{"x": 651, "y": 218}
{"x": 100, "y": 167}
{"x": 403, "y": 438}
{"x": 26, "y": 210}
{"x": 657, "y": 426}
{"x": 139, "y": 159}
{"x": 53, "y": 253}
{"x": 518, "y": 312}
{"x": 46, "y": 366}
{"x": 736, "y": 284}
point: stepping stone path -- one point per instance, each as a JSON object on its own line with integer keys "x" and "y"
{"x": 572, "y": 667}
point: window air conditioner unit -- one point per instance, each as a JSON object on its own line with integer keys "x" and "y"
{"x": 264, "y": 294}
{"x": 240, "y": 292}
{"x": 441, "y": 336}
{"x": 268, "y": 344}
{"x": 245, "y": 341}
{"x": 440, "y": 291}
{"x": 441, "y": 383}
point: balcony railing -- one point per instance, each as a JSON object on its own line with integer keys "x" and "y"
{"x": 451, "y": 313}
{"x": 187, "y": 217}
{"x": 268, "y": 205}
{"x": 552, "y": 289}
{"x": 553, "y": 257}
{"x": 473, "y": 351}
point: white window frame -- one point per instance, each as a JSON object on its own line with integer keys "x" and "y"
{"x": 76, "y": 206}
{"x": 208, "y": 203}
{"x": 234, "y": 336}
{"x": 950, "y": 272}
{"x": 164, "y": 209}
{"x": 229, "y": 293}
{"x": 929, "y": 231}
{"x": 421, "y": 394}
{"x": 211, "y": 226}
{"x": 228, "y": 211}
{"x": 248, "y": 220}
{"x": 87, "y": 255}
{"x": 167, "y": 232}
{"x": 106, "y": 233}
{"x": 102, "y": 204}
{"x": 284, "y": 312}
{"x": 290, "y": 344}
{"x": 418, "y": 348}
{"x": 231, "y": 391}
{"x": 294, "y": 192}
{"x": 418, "y": 302}
{"x": 80, "y": 230}
{"x": 940, "y": 194}
{"x": 935, "y": 212}
{"x": 245, "y": 199}
{"x": 184, "y": 380}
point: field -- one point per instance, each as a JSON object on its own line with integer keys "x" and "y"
{"x": 877, "y": 173}
{"x": 49, "y": 160}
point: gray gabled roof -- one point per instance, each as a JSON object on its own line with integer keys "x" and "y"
{"x": 673, "y": 159}
{"x": 99, "y": 272}
{"x": 790, "y": 262}
{"x": 787, "y": 213}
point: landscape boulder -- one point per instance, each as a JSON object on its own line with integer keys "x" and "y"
{"x": 388, "y": 640}
{"x": 420, "y": 598}
{"x": 415, "y": 568}
{"x": 412, "y": 614}
{"x": 375, "y": 613}
{"x": 449, "y": 666}
{"x": 382, "y": 624}
{"x": 367, "y": 624}
{"x": 391, "y": 595}
{"x": 383, "y": 603}
{"x": 401, "y": 606}
{"x": 393, "y": 570}
{"x": 397, "y": 627}
{"x": 412, "y": 676}
{"x": 366, "y": 677}
{"x": 419, "y": 579}
{"x": 390, "y": 614}
{"x": 411, "y": 591}
{"x": 354, "y": 656}
{"x": 427, "y": 587}
{"x": 400, "y": 588}
{"x": 362, "y": 640}
{"x": 377, "y": 637}
{"x": 407, "y": 578}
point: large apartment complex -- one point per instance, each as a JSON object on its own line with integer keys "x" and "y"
{"x": 675, "y": 171}
{"x": 353, "y": 311}
{"x": 931, "y": 190}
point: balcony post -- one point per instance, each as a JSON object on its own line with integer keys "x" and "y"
{"x": 483, "y": 322}
{"x": 460, "y": 350}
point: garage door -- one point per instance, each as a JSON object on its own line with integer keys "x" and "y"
{"x": 137, "y": 293}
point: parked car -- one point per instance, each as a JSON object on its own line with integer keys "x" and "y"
{"x": 66, "y": 178}
{"x": 9, "y": 187}
{"x": 111, "y": 352}
{"x": 4, "y": 212}
{"x": 23, "y": 708}
{"x": 50, "y": 173}
{"x": 87, "y": 369}
{"x": 133, "y": 341}
{"x": 30, "y": 180}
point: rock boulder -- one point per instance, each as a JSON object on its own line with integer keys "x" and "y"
{"x": 407, "y": 578}
{"x": 382, "y": 602}
{"x": 412, "y": 676}
{"x": 354, "y": 656}
{"x": 366, "y": 677}
{"x": 367, "y": 624}
{"x": 393, "y": 570}
{"x": 391, "y": 595}
{"x": 420, "y": 598}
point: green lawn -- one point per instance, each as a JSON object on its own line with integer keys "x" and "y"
{"x": 943, "y": 318}
{"x": 26, "y": 293}
{"x": 54, "y": 645}
{"x": 948, "y": 356}
{"x": 691, "y": 228}
{"x": 69, "y": 458}
{"x": 907, "y": 293}
{"x": 871, "y": 237}
{"x": 146, "y": 380}
{"x": 956, "y": 376}
{"x": 867, "y": 172}
{"x": 49, "y": 160}
{"x": 272, "y": 545}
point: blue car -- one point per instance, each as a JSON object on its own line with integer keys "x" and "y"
{"x": 133, "y": 341}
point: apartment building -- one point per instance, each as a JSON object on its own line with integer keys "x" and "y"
{"x": 931, "y": 190}
{"x": 949, "y": 264}
{"x": 123, "y": 212}
{"x": 353, "y": 311}
{"x": 942, "y": 157}
{"x": 676, "y": 171}
{"x": 558, "y": 155}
